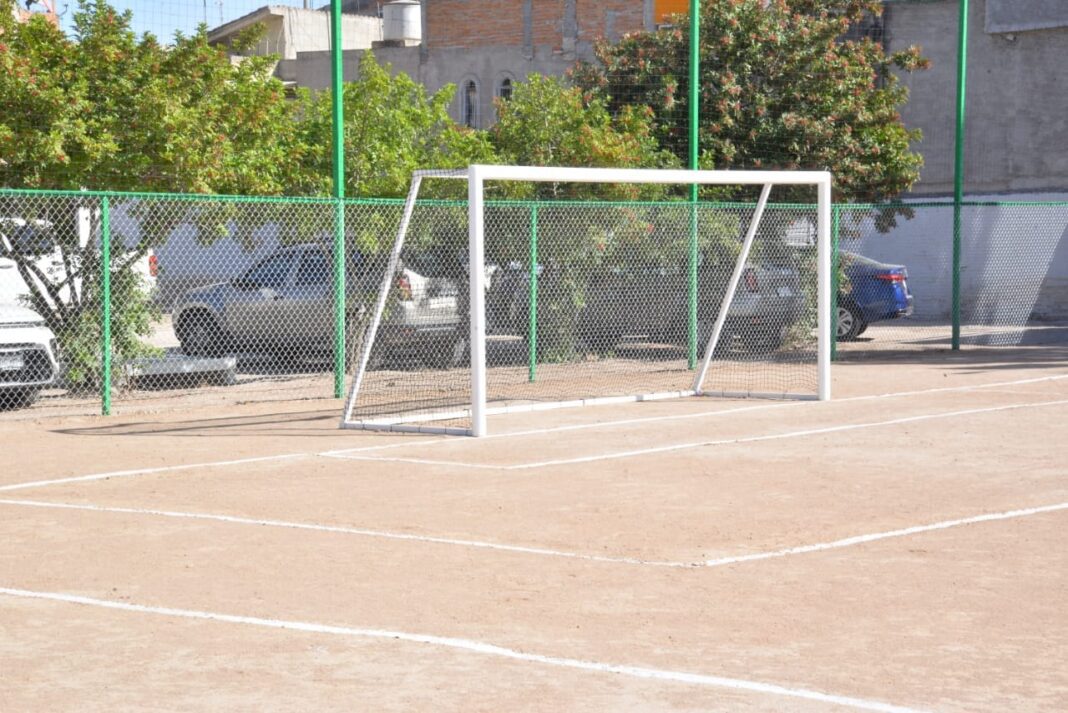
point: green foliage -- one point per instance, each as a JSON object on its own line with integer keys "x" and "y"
{"x": 112, "y": 111}
{"x": 780, "y": 89}
{"x": 392, "y": 128}
{"x": 79, "y": 338}
{"x": 547, "y": 123}
{"x": 108, "y": 110}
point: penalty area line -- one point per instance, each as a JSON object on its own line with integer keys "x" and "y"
{"x": 476, "y": 647}
{"x": 344, "y": 453}
{"x": 851, "y": 541}
{"x": 699, "y": 444}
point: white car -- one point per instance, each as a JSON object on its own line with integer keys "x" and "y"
{"x": 29, "y": 356}
{"x": 36, "y": 239}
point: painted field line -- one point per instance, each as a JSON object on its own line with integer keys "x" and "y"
{"x": 555, "y": 429}
{"x": 689, "y": 416}
{"x": 903, "y": 532}
{"x": 546, "y": 552}
{"x": 147, "y": 471}
{"x": 476, "y": 647}
{"x": 702, "y": 444}
{"x": 337, "y": 529}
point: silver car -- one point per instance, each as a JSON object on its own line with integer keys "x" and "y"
{"x": 285, "y": 302}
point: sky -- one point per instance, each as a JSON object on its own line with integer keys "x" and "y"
{"x": 164, "y": 17}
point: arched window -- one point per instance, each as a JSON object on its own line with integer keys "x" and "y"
{"x": 470, "y": 104}
{"x": 504, "y": 90}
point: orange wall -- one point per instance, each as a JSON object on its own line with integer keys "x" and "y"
{"x": 666, "y": 8}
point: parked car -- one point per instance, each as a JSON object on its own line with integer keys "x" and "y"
{"x": 284, "y": 303}
{"x": 652, "y": 303}
{"x": 29, "y": 356}
{"x": 875, "y": 291}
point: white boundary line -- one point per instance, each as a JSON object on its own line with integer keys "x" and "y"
{"x": 147, "y": 471}
{"x": 903, "y": 532}
{"x": 689, "y": 416}
{"x": 701, "y": 444}
{"x": 545, "y": 552}
{"x": 520, "y": 549}
{"x": 476, "y": 647}
{"x": 517, "y": 434}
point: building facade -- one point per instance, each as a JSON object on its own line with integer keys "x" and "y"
{"x": 1017, "y": 111}
{"x": 485, "y": 48}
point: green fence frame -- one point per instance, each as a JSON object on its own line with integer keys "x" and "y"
{"x": 107, "y": 198}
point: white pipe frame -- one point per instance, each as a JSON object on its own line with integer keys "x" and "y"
{"x": 477, "y": 176}
{"x": 736, "y": 277}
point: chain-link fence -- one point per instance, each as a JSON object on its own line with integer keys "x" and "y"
{"x": 898, "y": 280}
{"x": 590, "y": 300}
{"x": 218, "y": 300}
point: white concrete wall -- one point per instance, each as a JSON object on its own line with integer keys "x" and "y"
{"x": 1014, "y": 265}
{"x": 289, "y": 30}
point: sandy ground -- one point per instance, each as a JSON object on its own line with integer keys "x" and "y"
{"x": 613, "y": 557}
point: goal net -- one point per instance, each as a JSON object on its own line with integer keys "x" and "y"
{"x": 595, "y": 286}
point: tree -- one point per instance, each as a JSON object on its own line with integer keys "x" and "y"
{"x": 107, "y": 110}
{"x": 780, "y": 89}
{"x": 548, "y": 123}
{"x": 392, "y": 127}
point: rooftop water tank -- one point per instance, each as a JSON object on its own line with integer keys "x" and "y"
{"x": 401, "y": 22}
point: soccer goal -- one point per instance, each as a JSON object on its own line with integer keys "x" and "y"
{"x": 594, "y": 286}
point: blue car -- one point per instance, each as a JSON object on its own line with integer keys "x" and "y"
{"x": 871, "y": 292}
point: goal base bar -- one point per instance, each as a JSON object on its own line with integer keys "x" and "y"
{"x": 403, "y": 424}
{"x": 407, "y": 428}
{"x": 769, "y": 395}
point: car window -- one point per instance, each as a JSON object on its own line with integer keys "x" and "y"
{"x": 33, "y": 240}
{"x": 850, "y": 259}
{"x": 272, "y": 272}
{"x": 314, "y": 269}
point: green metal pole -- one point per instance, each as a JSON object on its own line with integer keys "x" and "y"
{"x": 695, "y": 98}
{"x": 958, "y": 166}
{"x": 532, "y": 339}
{"x": 105, "y": 306}
{"x": 339, "y": 195}
{"x": 836, "y": 216}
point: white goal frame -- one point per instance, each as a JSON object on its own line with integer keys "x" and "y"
{"x": 477, "y": 176}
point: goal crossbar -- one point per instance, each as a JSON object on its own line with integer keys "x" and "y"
{"x": 477, "y": 175}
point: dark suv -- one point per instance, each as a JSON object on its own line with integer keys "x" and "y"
{"x": 651, "y": 303}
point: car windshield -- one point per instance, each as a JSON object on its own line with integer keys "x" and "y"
{"x": 272, "y": 272}
{"x": 314, "y": 269}
{"x": 33, "y": 240}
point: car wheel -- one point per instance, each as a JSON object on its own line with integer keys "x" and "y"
{"x": 850, "y": 322}
{"x": 200, "y": 335}
{"x": 17, "y": 398}
{"x": 449, "y": 353}
{"x": 763, "y": 341}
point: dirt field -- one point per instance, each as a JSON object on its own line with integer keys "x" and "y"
{"x": 903, "y": 547}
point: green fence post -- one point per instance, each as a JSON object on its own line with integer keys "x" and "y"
{"x": 695, "y": 101}
{"x": 339, "y": 195}
{"x": 532, "y": 334}
{"x": 958, "y": 163}
{"x": 339, "y": 298}
{"x": 105, "y": 306}
{"x": 836, "y": 215}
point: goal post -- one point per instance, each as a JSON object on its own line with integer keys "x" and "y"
{"x": 444, "y": 367}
